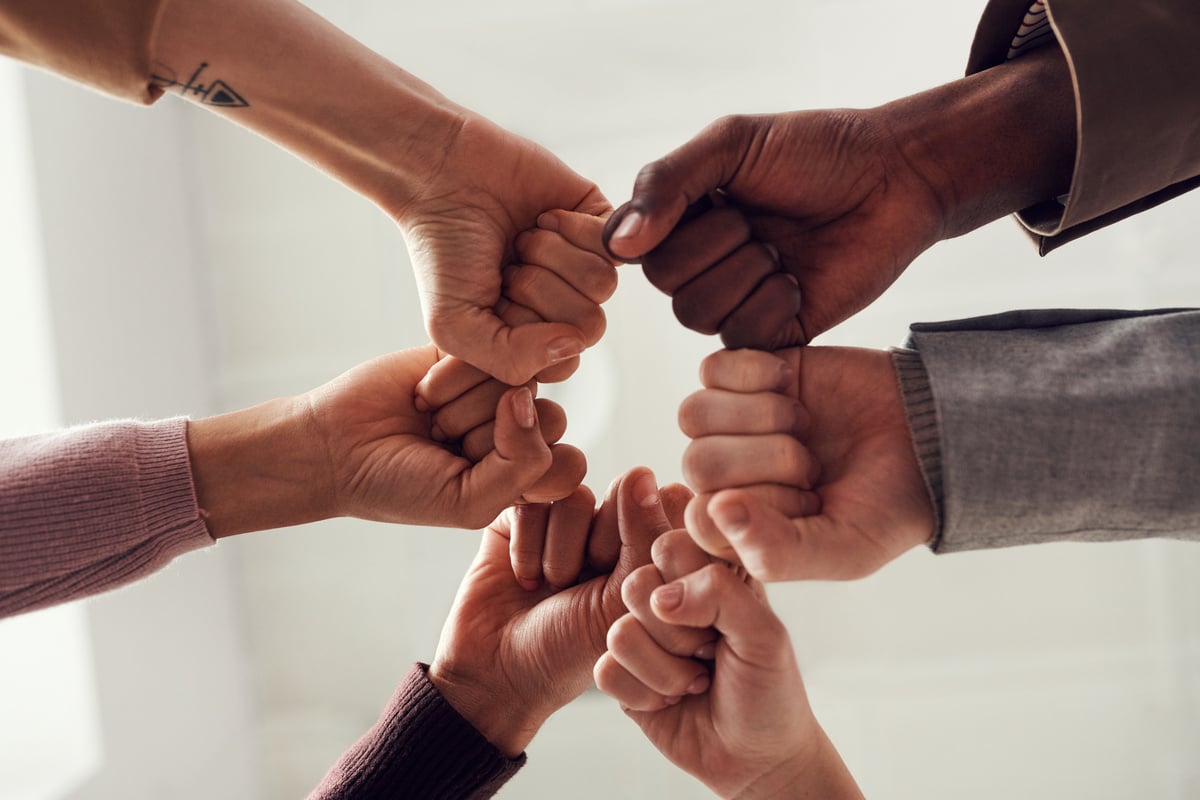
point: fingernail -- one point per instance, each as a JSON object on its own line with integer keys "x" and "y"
{"x": 700, "y": 685}
{"x": 522, "y": 406}
{"x": 706, "y": 651}
{"x": 630, "y": 226}
{"x": 672, "y": 701}
{"x": 437, "y": 434}
{"x": 731, "y": 518}
{"x": 795, "y": 281}
{"x": 421, "y": 404}
{"x": 645, "y": 491}
{"x": 773, "y": 251}
{"x": 529, "y": 584}
{"x": 562, "y": 349}
{"x": 668, "y": 597}
{"x": 548, "y": 221}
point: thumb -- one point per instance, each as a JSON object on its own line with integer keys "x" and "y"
{"x": 641, "y": 519}
{"x": 511, "y": 354}
{"x": 664, "y": 189}
{"x": 519, "y": 458}
{"x": 716, "y": 596}
{"x": 775, "y": 547}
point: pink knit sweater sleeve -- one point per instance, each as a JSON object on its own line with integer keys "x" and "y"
{"x": 88, "y": 509}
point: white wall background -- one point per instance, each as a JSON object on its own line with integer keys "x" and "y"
{"x": 1064, "y": 671}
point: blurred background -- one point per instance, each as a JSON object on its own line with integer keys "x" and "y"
{"x": 156, "y": 262}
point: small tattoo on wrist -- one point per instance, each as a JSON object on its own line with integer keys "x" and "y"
{"x": 216, "y": 93}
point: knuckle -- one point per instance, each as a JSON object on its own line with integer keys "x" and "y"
{"x": 622, "y": 635}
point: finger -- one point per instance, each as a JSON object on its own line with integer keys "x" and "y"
{"x": 468, "y": 411}
{"x": 583, "y": 231}
{"x": 633, "y": 695}
{"x": 718, "y": 411}
{"x": 774, "y": 545}
{"x": 747, "y": 371}
{"x": 705, "y": 301}
{"x": 520, "y": 457}
{"x": 718, "y": 596}
{"x": 568, "y": 467}
{"x": 764, "y": 316}
{"x": 660, "y": 671}
{"x": 719, "y": 462}
{"x": 590, "y": 273}
{"x": 678, "y": 640}
{"x": 553, "y": 299}
{"x": 675, "y": 554}
{"x": 694, "y": 247}
{"x": 675, "y": 497}
{"x": 516, "y": 314}
{"x": 640, "y": 519}
{"x": 787, "y": 501}
{"x": 604, "y": 545}
{"x": 446, "y": 380}
{"x": 666, "y": 187}
{"x": 512, "y": 355}
{"x": 552, "y": 420}
{"x": 559, "y": 372}
{"x": 526, "y": 542}
{"x": 566, "y": 537}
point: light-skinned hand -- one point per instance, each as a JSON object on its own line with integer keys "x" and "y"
{"x": 462, "y": 222}
{"x": 836, "y": 501}
{"x": 510, "y": 654}
{"x": 358, "y": 446}
{"x": 734, "y": 714}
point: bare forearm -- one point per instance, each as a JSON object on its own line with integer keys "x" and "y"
{"x": 288, "y": 74}
{"x": 993, "y": 143}
{"x": 259, "y": 468}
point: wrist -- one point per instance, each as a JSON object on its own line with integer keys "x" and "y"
{"x": 992, "y": 143}
{"x": 816, "y": 771}
{"x": 259, "y": 468}
{"x": 507, "y": 722}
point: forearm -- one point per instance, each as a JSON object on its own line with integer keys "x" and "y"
{"x": 992, "y": 143}
{"x": 260, "y": 468}
{"x": 299, "y": 81}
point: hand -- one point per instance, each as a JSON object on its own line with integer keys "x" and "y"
{"x": 825, "y": 197}
{"x": 841, "y": 200}
{"x": 510, "y": 656}
{"x": 761, "y": 501}
{"x": 461, "y": 226}
{"x": 466, "y": 424}
{"x": 735, "y": 715}
{"x": 562, "y": 275}
{"x": 358, "y": 446}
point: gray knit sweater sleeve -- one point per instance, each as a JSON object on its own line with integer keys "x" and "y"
{"x": 1058, "y": 425}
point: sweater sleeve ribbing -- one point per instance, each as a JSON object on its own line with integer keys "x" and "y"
{"x": 91, "y": 508}
{"x": 419, "y": 747}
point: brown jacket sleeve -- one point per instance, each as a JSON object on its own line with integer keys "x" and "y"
{"x": 1136, "y": 70}
{"x": 105, "y": 44}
